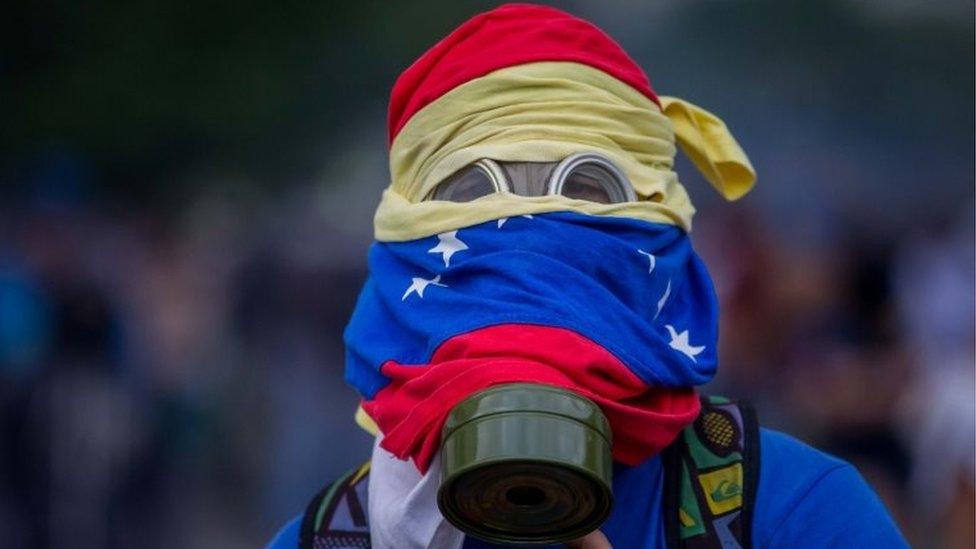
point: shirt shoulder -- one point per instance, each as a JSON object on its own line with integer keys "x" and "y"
{"x": 809, "y": 498}
{"x": 287, "y": 537}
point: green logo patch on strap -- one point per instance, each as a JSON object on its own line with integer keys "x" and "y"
{"x": 722, "y": 488}
{"x": 726, "y": 490}
{"x": 708, "y": 476}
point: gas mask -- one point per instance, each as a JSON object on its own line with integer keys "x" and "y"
{"x": 527, "y": 463}
{"x": 539, "y": 336}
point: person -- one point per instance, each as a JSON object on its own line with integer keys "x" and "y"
{"x": 534, "y": 232}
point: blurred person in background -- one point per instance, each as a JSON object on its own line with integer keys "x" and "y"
{"x": 485, "y": 272}
{"x": 934, "y": 292}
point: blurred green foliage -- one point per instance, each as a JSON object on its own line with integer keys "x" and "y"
{"x": 143, "y": 86}
{"x": 151, "y": 90}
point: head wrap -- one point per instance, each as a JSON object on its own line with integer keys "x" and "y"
{"x": 513, "y": 34}
{"x": 535, "y": 84}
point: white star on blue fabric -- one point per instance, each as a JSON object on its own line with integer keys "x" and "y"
{"x": 418, "y": 285}
{"x": 663, "y": 300}
{"x": 651, "y": 259}
{"x": 502, "y": 220}
{"x": 679, "y": 342}
{"x": 448, "y": 244}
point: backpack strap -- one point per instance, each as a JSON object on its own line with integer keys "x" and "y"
{"x": 337, "y": 516}
{"x": 711, "y": 473}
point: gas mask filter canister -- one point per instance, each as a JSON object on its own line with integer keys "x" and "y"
{"x": 525, "y": 463}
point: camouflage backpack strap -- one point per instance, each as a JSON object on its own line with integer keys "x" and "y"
{"x": 337, "y": 515}
{"x": 711, "y": 473}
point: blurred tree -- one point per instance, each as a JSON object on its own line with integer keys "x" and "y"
{"x": 146, "y": 87}
{"x": 151, "y": 91}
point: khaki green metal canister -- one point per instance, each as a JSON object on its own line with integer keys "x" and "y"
{"x": 526, "y": 464}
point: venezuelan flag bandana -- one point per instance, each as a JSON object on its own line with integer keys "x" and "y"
{"x": 608, "y": 300}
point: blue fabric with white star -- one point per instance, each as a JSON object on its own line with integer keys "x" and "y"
{"x": 636, "y": 288}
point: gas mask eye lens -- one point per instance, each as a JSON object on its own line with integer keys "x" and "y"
{"x": 588, "y": 182}
{"x": 591, "y": 177}
{"x": 482, "y": 178}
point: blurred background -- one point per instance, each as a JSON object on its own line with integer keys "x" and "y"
{"x": 186, "y": 192}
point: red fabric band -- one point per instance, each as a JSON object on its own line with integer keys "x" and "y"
{"x": 513, "y": 34}
{"x": 412, "y": 409}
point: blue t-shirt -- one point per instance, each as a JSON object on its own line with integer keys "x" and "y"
{"x": 806, "y": 498}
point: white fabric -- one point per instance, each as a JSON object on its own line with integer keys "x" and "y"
{"x": 403, "y": 511}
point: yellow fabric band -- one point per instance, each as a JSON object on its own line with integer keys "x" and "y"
{"x": 543, "y": 112}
